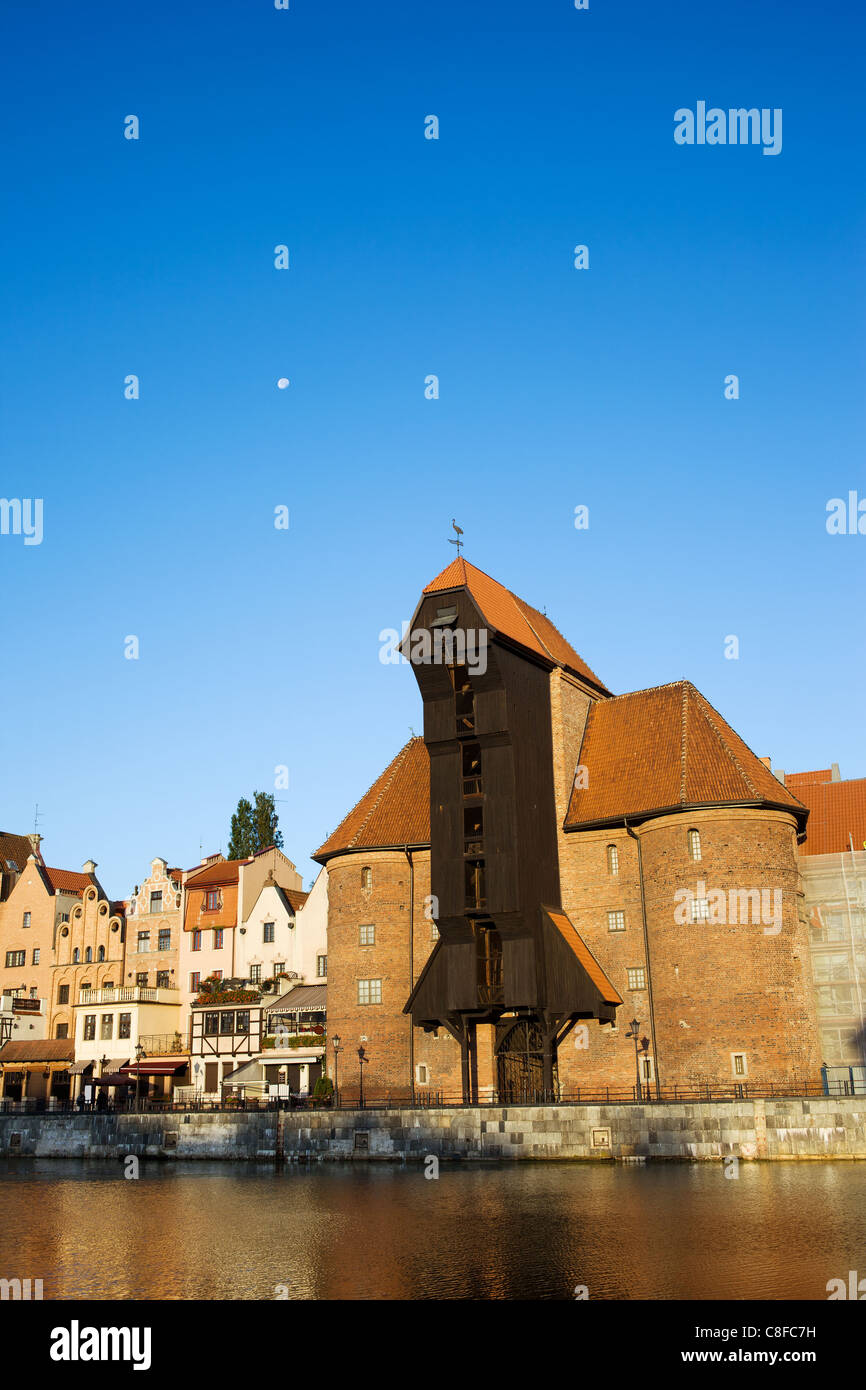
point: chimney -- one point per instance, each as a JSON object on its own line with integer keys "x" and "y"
{"x": 88, "y": 867}
{"x": 834, "y": 773}
{"x": 767, "y": 764}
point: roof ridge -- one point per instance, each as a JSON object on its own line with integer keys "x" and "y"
{"x": 521, "y": 605}
{"x": 724, "y": 744}
{"x": 684, "y": 741}
{"x": 392, "y": 767}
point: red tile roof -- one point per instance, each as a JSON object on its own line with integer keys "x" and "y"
{"x": 17, "y": 849}
{"x": 836, "y": 810}
{"x": 509, "y": 615}
{"x": 69, "y": 881}
{"x": 662, "y": 749}
{"x": 575, "y": 942}
{"x": 395, "y": 811}
{"x": 805, "y": 779}
{"x": 226, "y": 871}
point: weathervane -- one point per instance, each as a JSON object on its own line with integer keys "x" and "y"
{"x": 459, "y": 530}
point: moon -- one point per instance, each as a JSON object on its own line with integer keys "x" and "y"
{"x": 283, "y": 383}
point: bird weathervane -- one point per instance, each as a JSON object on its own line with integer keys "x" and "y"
{"x": 459, "y": 530}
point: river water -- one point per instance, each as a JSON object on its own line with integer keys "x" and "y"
{"x": 357, "y": 1231}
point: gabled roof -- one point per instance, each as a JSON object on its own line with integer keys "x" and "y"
{"x": 511, "y": 617}
{"x": 225, "y": 871}
{"x": 68, "y": 881}
{"x": 395, "y": 811}
{"x": 665, "y": 749}
{"x": 17, "y": 849}
{"x": 836, "y": 810}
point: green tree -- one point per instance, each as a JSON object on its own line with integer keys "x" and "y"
{"x": 255, "y": 826}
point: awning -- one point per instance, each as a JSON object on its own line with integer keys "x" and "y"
{"x": 80, "y": 1068}
{"x": 150, "y": 1067}
{"x": 113, "y": 1078}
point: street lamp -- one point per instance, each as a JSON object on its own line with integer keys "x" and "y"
{"x": 635, "y": 1033}
{"x": 363, "y": 1059}
{"x": 337, "y": 1051}
{"x": 103, "y": 1062}
{"x": 139, "y": 1053}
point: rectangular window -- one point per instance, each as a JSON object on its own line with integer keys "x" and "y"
{"x": 464, "y": 699}
{"x": 89, "y": 1027}
{"x": 434, "y": 931}
{"x": 612, "y": 860}
{"x": 26, "y": 921}
{"x": 218, "y": 938}
{"x": 217, "y": 974}
{"x": 35, "y": 955}
{"x": 63, "y": 994}
{"x": 194, "y": 981}
{"x": 163, "y": 979}
{"x": 700, "y": 909}
{"x": 473, "y": 830}
{"x": 368, "y": 936}
{"x": 106, "y": 1026}
{"x": 211, "y": 1024}
{"x": 212, "y": 900}
{"x": 475, "y": 886}
{"x": 268, "y": 930}
{"x": 14, "y": 958}
{"x": 242, "y": 1021}
{"x": 471, "y": 759}
{"x": 163, "y": 941}
{"x": 694, "y": 844}
{"x": 156, "y": 902}
{"x": 738, "y": 1060}
{"x": 637, "y": 977}
{"x": 143, "y": 941}
{"x": 616, "y": 921}
{"x": 369, "y": 991}
{"x": 321, "y": 966}
{"x": 227, "y": 1021}
{"x": 62, "y": 1030}
{"x": 646, "y": 1069}
{"x": 196, "y": 941}
{"x": 255, "y": 974}
{"x": 124, "y": 1025}
{"x": 141, "y": 979}
{"x": 279, "y": 967}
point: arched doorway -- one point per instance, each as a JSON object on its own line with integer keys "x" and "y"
{"x": 520, "y": 1062}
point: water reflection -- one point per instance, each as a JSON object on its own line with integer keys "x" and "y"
{"x": 221, "y": 1231}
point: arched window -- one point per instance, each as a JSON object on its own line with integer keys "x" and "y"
{"x": 694, "y": 844}
{"x": 76, "y": 956}
{"x": 100, "y": 954}
{"x": 612, "y": 859}
{"x": 366, "y": 879}
{"x": 88, "y": 956}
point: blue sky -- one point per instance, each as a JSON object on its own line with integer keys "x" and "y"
{"x": 408, "y": 257}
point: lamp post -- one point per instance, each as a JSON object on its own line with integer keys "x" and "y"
{"x": 635, "y": 1033}
{"x": 363, "y": 1059}
{"x": 337, "y": 1051}
{"x": 139, "y": 1053}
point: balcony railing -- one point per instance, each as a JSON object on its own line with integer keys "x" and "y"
{"x": 132, "y": 994}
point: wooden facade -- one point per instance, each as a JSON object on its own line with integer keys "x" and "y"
{"x": 507, "y": 955}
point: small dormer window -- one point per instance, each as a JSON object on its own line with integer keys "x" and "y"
{"x": 694, "y": 845}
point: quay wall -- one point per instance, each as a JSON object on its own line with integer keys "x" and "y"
{"x": 779, "y": 1129}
